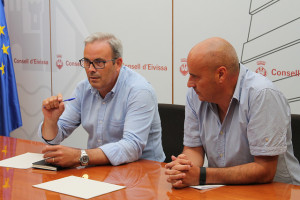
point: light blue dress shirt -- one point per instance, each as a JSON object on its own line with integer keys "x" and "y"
{"x": 257, "y": 123}
{"x": 125, "y": 124}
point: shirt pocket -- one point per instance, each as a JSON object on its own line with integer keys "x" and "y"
{"x": 116, "y": 129}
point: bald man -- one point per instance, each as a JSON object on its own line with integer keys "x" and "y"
{"x": 235, "y": 117}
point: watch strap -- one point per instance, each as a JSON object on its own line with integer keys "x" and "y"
{"x": 202, "y": 178}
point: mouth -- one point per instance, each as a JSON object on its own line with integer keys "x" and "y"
{"x": 93, "y": 78}
{"x": 196, "y": 91}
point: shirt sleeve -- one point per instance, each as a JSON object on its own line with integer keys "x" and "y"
{"x": 269, "y": 120}
{"x": 139, "y": 117}
{"x": 191, "y": 122}
{"x": 55, "y": 141}
{"x": 68, "y": 121}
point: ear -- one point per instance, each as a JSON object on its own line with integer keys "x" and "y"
{"x": 221, "y": 74}
{"x": 119, "y": 62}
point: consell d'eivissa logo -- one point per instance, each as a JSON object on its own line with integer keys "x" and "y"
{"x": 183, "y": 67}
{"x": 60, "y": 63}
{"x": 33, "y": 61}
{"x": 150, "y": 67}
{"x": 261, "y": 68}
{"x": 278, "y": 71}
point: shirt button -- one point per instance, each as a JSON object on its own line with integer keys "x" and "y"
{"x": 267, "y": 139}
{"x": 99, "y": 141}
{"x": 221, "y": 132}
{"x": 103, "y": 103}
{"x": 221, "y": 155}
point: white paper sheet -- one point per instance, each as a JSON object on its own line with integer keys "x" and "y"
{"x": 204, "y": 187}
{"x": 23, "y": 161}
{"x": 79, "y": 187}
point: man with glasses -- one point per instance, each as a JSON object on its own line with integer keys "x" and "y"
{"x": 115, "y": 105}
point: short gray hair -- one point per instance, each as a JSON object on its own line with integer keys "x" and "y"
{"x": 115, "y": 43}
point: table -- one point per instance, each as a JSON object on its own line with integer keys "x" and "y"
{"x": 143, "y": 179}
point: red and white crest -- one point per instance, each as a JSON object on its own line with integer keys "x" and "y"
{"x": 59, "y": 62}
{"x": 261, "y": 68}
{"x": 183, "y": 67}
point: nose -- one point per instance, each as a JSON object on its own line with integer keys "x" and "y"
{"x": 91, "y": 68}
{"x": 190, "y": 83}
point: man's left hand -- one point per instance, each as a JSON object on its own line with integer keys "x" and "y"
{"x": 62, "y": 155}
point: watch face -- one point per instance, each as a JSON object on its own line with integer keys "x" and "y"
{"x": 84, "y": 160}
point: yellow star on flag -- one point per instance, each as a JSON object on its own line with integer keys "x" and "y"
{"x": 2, "y": 68}
{"x": 1, "y": 30}
{"x": 4, "y": 48}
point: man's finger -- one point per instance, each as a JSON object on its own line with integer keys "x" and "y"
{"x": 183, "y": 162}
{"x": 177, "y": 176}
{"x": 181, "y": 167}
{"x": 172, "y": 172}
{"x": 182, "y": 156}
{"x": 173, "y": 158}
{"x": 178, "y": 184}
{"x": 170, "y": 165}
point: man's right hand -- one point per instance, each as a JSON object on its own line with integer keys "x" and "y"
{"x": 52, "y": 108}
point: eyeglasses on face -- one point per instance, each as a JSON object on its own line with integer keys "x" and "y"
{"x": 97, "y": 63}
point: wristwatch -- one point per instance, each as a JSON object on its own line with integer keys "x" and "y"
{"x": 84, "y": 158}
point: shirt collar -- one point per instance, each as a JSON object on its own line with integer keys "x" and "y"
{"x": 116, "y": 87}
{"x": 238, "y": 87}
{"x": 119, "y": 81}
{"x": 94, "y": 91}
{"x": 237, "y": 90}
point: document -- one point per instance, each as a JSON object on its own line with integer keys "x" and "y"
{"x": 204, "y": 187}
{"x": 23, "y": 161}
{"x": 79, "y": 187}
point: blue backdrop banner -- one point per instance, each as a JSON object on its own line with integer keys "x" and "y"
{"x": 10, "y": 115}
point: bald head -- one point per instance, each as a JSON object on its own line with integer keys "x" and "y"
{"x": 213, "y": 53}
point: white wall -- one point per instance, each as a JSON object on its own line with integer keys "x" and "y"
{"x": 265, "y": 33}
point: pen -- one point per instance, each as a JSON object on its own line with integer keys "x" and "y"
{"x": 68, "y": 99}
{"x": 71, "y": 99}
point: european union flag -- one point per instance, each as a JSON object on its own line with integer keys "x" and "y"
{"x": 10, "y": 115}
